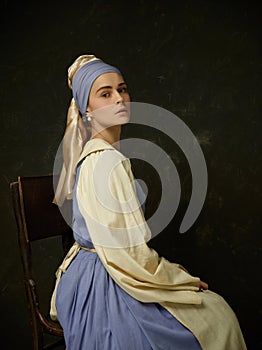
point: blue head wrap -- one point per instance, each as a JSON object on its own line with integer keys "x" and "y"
{"x": 84, "y": 79}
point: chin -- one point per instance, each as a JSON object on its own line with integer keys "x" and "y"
{"x": 123, "y": 120}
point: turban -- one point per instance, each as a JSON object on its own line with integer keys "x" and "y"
{"x": 84, "y": 79}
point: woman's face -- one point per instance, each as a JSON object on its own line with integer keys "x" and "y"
{"x": 109, "y": 101}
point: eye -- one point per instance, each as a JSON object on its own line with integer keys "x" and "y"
{"x": 122, "y": 90}
{"x": 105, "y": 94}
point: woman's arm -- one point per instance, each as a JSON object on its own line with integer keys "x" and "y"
{"x": 119, "y": 233}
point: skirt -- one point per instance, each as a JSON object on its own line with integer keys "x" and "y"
{"x": 96, "y": 314}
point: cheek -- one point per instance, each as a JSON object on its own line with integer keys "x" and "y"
{"x": 94, "y": 103}
{"x": 104, "y": 114}
{"x": 99, "y": 103}
{"x": 92, "y": 106}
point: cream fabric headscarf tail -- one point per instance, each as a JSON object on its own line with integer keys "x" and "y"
{"x": 75, "y": 137}
{"x": 76, "y": 134}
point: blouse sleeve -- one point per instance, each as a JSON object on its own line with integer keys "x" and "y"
{"x": 107, "y": 200}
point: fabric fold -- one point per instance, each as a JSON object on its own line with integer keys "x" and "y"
{"x": 132, "y": 264}
{"x": 119, "y": 233}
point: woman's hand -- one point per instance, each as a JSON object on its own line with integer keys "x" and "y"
{"x": 203, "y": 285}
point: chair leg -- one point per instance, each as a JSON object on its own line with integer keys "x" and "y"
{"x": 37, "y": 335}
{"x": 37, "y": 332}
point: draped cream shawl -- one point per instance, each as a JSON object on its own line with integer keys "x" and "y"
{"x": 138, "y": 269}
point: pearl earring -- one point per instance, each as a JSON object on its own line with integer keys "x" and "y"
{"x": 87, "y": 117}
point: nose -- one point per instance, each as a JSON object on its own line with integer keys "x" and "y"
{"x": 118, "y": 97}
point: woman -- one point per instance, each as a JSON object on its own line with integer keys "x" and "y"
{"x": 112, "y": 290}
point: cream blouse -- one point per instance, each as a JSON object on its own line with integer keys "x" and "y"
{"x": 107, "y": 200}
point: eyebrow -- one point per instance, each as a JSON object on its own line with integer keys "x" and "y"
{"x": 110, "y": 87}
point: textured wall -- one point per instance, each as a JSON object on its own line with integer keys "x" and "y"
{"x": 199, "y": 59}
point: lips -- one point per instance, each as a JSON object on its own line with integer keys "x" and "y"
{"x": 122, "y": 110}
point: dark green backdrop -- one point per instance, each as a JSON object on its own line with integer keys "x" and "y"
{"x": 199, "y": 59}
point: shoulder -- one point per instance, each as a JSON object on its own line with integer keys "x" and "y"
{"x": 103, "y": 156}
{"x": 108, "y": 168}
{"x": 100, "y": 147}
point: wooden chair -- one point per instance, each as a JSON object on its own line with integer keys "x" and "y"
{"x": 38, "y": 218}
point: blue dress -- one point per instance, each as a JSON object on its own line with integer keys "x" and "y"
{"x": 96, "y": 314}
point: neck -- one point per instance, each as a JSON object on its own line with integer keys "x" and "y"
{"x": 110, "y": 135}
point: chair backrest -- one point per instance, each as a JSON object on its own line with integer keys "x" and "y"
{"x": 37, "y": 218}
{"x": 41, "y": 217}
{"x": 36, "y": 215}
